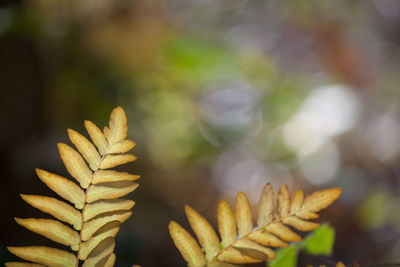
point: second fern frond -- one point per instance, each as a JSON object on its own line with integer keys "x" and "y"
{"x": 241, "y": 242}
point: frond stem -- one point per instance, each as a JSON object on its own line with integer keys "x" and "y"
{"x": 84, "y": 203}
{"x": 215, "y": 258}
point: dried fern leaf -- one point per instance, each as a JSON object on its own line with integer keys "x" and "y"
{"x": 204, "y": 231}
{"x": 91, "y": 244}
{"x": 187, "y": 245}
{"x": 45, "y": 255}
{"x": 243, "y": 215}
{"x": 234, "y": 256}
{"x": 108, "y": 262}
{"x": 241, "y": 243}
{"x": 53, "y": 230}
{"x": 63, "y": 187}
{"x": 267, "y": 239}
{"x": 22, "y": 264}
{"x": 99, "y": 211}
{"x": 226, "y": 223}
{"x": 118, "y": 125}
{"x": 97, "y": 137}
{"x": 321, "y": 199}
{"x": 75, "y": 165}
{"x": 106, "y": 176}
{"x": 300, "y": 224}
{"x": 106, "y": 206}
{"x": 254, "y": 250}
{"x": 103, "y": 250}
{"x": 306, "y": 215}
{"x": 60, "y": 210}
{"x": 266, "y": 205}
{"x": 91, "y": 227}
{"x": 86, "y": 148}
{"x": 108, "y": 134}
{"x": 296, "y": 202}
{"x": 110, "y": 190}
{"x": 122, "y": 146}
{"x": 111, "y": 161}
{"x": 283, "y": 232}
{"x": 284, "y": 201}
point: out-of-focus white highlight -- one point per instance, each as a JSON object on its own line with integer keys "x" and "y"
{"x": 383, "y": 136}
{"x": 304, "y": 133}
{"x": 321, "y": 166}
{"x": 328, "y": 111}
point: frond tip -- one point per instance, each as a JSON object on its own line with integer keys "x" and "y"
{"x": 93, "y": 206}
{"x": 241, "y": 242}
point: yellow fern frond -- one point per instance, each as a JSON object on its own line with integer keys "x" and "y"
{"x": 97, "y": 211}
{"x": 241, "y": 242}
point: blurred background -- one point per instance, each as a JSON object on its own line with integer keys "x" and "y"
{"x": 221, "y": 97}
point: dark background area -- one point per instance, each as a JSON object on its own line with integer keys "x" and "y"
{"x": 221, "y": 97}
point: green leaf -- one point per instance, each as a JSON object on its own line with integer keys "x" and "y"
{"x": 320, "y": 241}
{"x": 285, "y": 257}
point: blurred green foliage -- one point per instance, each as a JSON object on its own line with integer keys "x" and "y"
{"x": 378, "y": 210}
{"x": 318, "y": 242}
{"x": 285, "y": 257}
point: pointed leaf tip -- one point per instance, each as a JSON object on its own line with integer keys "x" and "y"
{"x": 85, "y": 147}
{"x": 97, "y": 137}
{"x": 296, "y": 201}
{"x": 75, "y": 164}
{"x": 226, "y": 223}
{"x": 205, "y": 233}
{"x": 243, "y": 214}
{"x": 118, "y": 124}
{"x": 284, "y": 201}
{"x": 321, "y": 199}
{"x": 266, "y": 205}
{"x": 187, "y": 245}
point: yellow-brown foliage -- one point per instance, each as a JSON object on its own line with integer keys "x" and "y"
{"x": 242, "y": 242}
{"x": 97, "y": 213}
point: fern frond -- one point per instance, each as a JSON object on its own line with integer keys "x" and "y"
{"x": 241, "y": 242}
{"x": 95, "y": 209}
